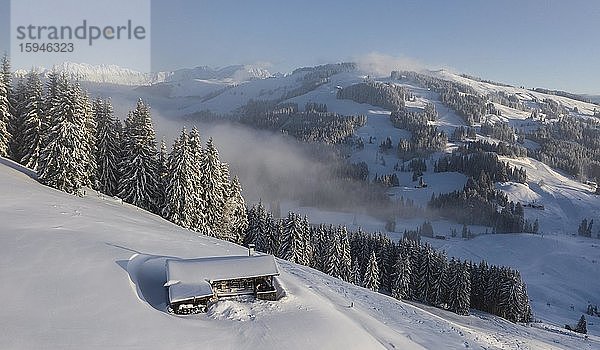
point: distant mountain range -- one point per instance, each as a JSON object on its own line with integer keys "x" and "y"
{"x": 112, "y": 74}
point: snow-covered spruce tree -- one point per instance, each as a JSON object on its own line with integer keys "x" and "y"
{"x": 334, "y": 252}
{"x": 438, "y": 285}
{"x": 460, "y": 291}
{"x": 371, "y": 278}
{"x": 319, "y": 241}
{"x": 179, "y": 194}
{"x": 385, "y": 262}
{"x": 425, "y": 272}
{"x": 356, "y": 276}
{"x": 63, "y": 162}
{"x": 6, "y": 72}
{"x": 479, "y": 278}
{"x": 212, "y": 192}
{"x": 5, "y": 117}
{"x": 345, "y": 259}
{"x": 250, "y": 234}
{"x": 275, "y": 232}
{"x": 83, "y": 108}
{"x": 581, "y": 326}
{"x": 513, "y": 303}
{"x": 32, "y": 114}
{"x": 139, "y": 165}
{"x": 16, "y": 124}
{"x": 235, "y": 220}
{"x": 51, "y": 86}
{"x": 198, "y": 159}
{"x": 401, "y": 282}
{"x": 291, "y": 239}
{"x": 257, "y": 230}
{"x": 306, "y": 246}
{"x": 163, "y": 159}
{"x": 108, "y": 147}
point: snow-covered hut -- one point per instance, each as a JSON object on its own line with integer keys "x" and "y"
{"x": 193, "y": 283}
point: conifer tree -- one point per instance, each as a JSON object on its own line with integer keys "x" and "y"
{"x": 179, "y": 193}
{"x": 371, "y": 279}
{"x": 581, "y": 326}
{"x": 438, "y": 286}
{"x": 356, "y": 276}
{"x": 50, "y": 97}
{"x": 163, "y": 159}
{"x": 108, "y": 147}
{"x": 198, "y": 159}
{"x": 401, "y": 281}
{"x": 319, "y": 247}
{"x": 5, "y": 116}
{"x": 306, "y": 244}
{"x": 425, "y": 272}
{"x": 178, "y": 206}
{"x": 345, "y": 259}
{"x": 212, "y": 192}
{"x": 460, "y": 291}
{"x": 83, "y": 108}
{"x": 275, "y": 233}
{"x": 6, "y": 72}
{"x": 139, "y": 164}
{"x": 254, "y": 227}
{"x": 291, "y": 240}
{"x": 16, "y": 124}
{"x": 64, "y": 159}
{"x": 31, "y": 115}
{"x": 235, "y": 220}
{"x": 334, "y": 253}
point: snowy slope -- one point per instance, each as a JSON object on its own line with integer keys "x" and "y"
{"x": 559, "y": 270}
{"x": 566, "y": 201}
{"x": 524, "y": 94}
{"x": 87, "y": 273}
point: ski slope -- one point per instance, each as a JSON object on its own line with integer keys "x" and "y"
{"x": 88, "y": 273}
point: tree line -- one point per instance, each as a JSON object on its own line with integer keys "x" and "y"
{"x": 314, "y": 124}
{"x": 405, "y": 270}
{"x": 472, "y": 162}
{"x": 387, "y": 96}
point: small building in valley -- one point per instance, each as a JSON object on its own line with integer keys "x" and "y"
{"x": 193, "y": 283}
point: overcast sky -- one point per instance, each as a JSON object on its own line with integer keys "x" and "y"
{"x": 554, "y": 44}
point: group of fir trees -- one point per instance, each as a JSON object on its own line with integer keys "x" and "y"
{"x": 585, "y": 228}
{"x": 571, "y": 144}
{"x": 388, "y": 96}
{"x": 74, "y": 143}
{"x": 405, "y": 270}
{"x": 198, "y": 191}
{"x": 314, "y": 124}
{"x": 500, "y": 148}
{"x": 425, "y": 138}
{"x": 472, "y": 162}
{"x": 480, "y": 203}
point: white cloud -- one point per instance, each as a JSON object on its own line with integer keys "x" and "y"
{"x": 379, "y": 64}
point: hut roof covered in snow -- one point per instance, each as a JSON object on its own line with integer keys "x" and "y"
{"x": 192, "y": 278}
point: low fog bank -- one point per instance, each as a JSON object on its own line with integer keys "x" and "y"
{"x": 275, "y": 168}
{"x": 272, "y": 167}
